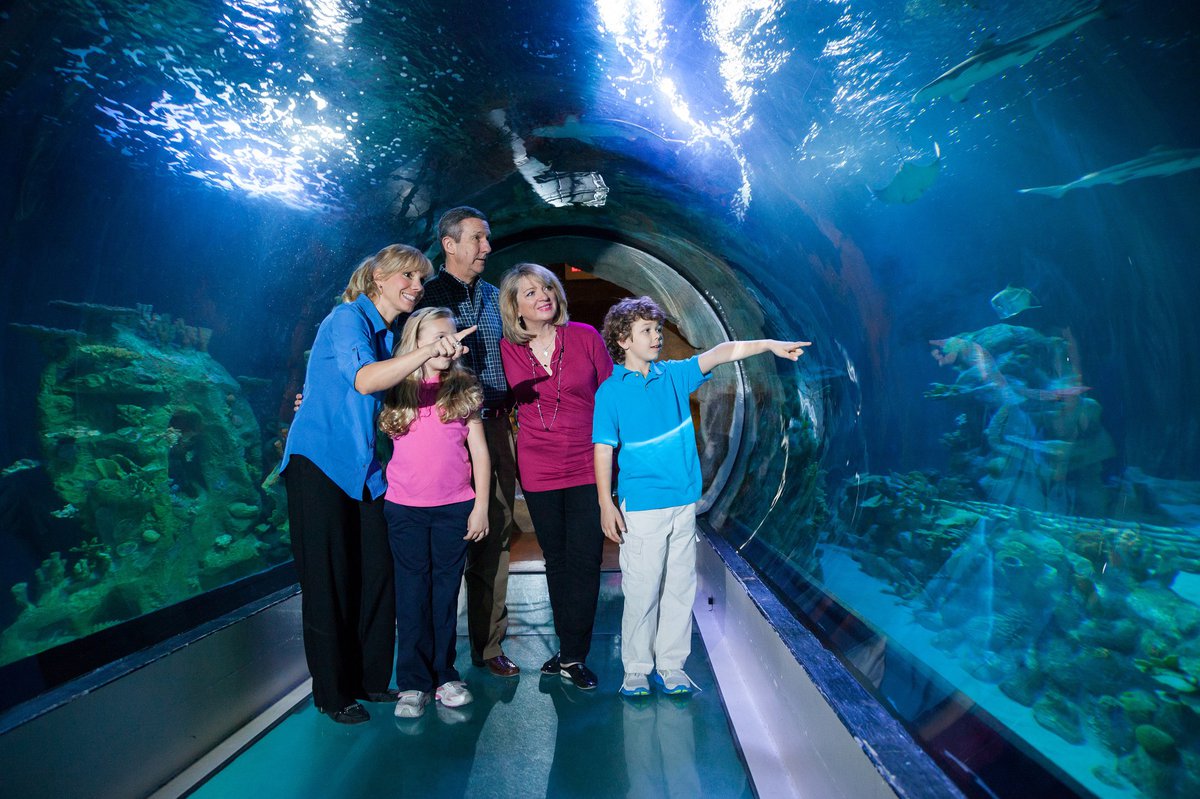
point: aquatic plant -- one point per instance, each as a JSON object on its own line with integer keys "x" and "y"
{"x": 148, "y": 440}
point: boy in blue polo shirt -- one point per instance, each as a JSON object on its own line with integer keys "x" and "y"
{"x": 643, "y": 411}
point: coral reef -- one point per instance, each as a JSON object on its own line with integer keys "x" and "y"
{"x": 1073, "y": 618}
{"x": 1029, "y": 435}
{"x": 156, "y": 454}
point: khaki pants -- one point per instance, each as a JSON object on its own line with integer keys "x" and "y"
{"x": 658, "y": 579}
{"x": 487, "y": 560}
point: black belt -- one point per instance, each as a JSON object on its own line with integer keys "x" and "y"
{"x": 492, "y": 413}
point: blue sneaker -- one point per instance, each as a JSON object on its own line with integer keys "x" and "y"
{"x": 635, "y": 684}
{"x": 674, "y": 682}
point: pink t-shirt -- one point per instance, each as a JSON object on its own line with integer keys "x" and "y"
{"x": 430, "y": 465}
{"x": 554, "y": 412}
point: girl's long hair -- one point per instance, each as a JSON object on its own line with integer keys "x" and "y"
{"x": 458, "y": 397}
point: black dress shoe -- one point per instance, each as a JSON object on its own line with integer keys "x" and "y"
{"x": 390, "y": 695}
{"x": 351, "y": 714}
{"x": 583, "y": 677}
{"x": 552, "y": 666}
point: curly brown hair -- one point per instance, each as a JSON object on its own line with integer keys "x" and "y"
{"x": 618, "y": 322}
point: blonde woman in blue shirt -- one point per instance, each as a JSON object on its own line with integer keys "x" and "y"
{"x": 335, "y": 484}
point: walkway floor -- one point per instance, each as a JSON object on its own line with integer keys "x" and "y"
{"x": 522, "y": 737}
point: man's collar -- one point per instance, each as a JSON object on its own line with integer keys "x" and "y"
{"x": 459, "y": 280}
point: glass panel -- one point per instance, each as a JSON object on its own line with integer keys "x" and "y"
{"x": 988, "y": 458}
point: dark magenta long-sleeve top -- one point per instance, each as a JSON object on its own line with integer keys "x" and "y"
{"x": 554, "y": 411}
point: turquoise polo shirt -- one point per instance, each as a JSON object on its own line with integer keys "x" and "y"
{"x": 648, "y": 420}
{"x": 335, "y": 426}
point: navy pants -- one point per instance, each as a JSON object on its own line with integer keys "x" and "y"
{"x": 428, "y": 554}
{"x": 567, "y": 523}
{"x": 340, "y": 547}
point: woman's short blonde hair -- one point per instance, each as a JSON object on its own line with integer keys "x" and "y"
{"x": 382, "y": 265}
{"x": 514, "y": 326}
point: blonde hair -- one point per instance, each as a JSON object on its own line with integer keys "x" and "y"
{"x": 514, "y": 326}
{"x": 458, "y": 397}
{"x": 382, "y": 265}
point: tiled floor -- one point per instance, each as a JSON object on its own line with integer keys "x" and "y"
{"x": 529, "y": 736}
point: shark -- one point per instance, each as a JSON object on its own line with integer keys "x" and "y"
{"x": 595, "y": 129}
{"x": 911, "y": 181}
{"x": 991, "y": 59}
{"x": 1159, "y": 162}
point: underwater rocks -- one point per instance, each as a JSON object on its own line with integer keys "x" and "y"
{"x": 1030, "y": 436}
{"x": 156, "y": 454}
{"x": 1023, "y": 686}
{"x": 1073, "y": 618}
{"x": 1060, "y": 716}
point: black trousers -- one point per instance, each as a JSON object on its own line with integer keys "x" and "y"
{"x": 429, "y": 552}
{"x": 567, "y": 523}
{"x": 348, "y": 601}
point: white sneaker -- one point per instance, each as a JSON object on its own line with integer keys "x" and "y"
{"x": 411, "y": 704}
{"x": 454, "y": 694}
{"x": 635, "y": 684}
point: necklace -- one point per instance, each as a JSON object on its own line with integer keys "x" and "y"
{"x": 558, "y": 386}
{"x": 546, "y": 350}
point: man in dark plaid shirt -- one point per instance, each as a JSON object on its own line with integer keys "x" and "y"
{"x": 464, "y": 233}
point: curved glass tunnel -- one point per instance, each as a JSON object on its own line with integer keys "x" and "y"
{"x": 981, "y": 483}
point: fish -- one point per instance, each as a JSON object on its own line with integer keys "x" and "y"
{"x": 595, "y": 129}
{"x": 911, "y": 181}
{"x": 1159, "y": 162}
{"x": 991, "y": 59}
{"x": 1012, "y": 300}
{"x": 23, "y": 465}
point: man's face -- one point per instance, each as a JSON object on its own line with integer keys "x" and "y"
{"x": 467, "y": 257}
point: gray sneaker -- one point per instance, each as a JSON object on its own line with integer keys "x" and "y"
{"x": 674, "y": 682}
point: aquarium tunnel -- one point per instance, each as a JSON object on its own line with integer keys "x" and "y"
{"x": 954, "y": 550}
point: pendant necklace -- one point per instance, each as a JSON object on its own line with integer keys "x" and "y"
{"x": 545, "y": 359}
{"x": 558, "y": 386}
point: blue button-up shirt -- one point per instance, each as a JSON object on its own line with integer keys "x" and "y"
{"x": 649, "y": 421}
{"x": 335, "y": 426}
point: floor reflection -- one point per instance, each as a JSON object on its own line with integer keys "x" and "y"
{"x": 530, "y": 736}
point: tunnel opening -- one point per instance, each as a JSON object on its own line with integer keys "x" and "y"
{"x": 596, "y": 273}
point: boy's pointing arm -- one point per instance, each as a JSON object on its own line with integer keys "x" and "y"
{"x": 730, "y": 351}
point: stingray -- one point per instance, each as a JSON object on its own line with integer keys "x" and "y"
{"x": 911, "y": 181}
{"x": 1012, "y": 300}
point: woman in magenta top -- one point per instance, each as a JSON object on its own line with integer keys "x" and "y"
{"x": 554, "y": 367}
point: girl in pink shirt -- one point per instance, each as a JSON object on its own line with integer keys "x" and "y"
{"x": 554, "y": 367}
{"x": 431, "y": 508}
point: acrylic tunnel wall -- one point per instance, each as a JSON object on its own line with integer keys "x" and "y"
{"x": 982, "y": 483}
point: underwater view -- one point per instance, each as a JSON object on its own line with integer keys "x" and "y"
{"x": 981, "y": 212}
